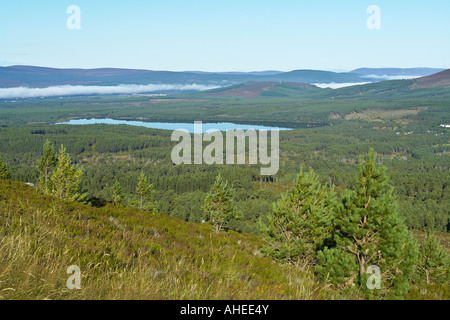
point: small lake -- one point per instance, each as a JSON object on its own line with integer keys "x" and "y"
{"x": 220, "y": 126}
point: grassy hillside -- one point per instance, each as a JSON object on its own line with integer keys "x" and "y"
{"x": 128, "y": 254}
{"x": 268, "y": 89}
{"x": 438, "y": 80}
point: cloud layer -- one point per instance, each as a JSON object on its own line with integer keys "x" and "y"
{"x": 60, "y": 91}
{"x": 386, "y": 77}
{"x": 334, "y": 85}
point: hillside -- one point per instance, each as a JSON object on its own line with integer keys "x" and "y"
{"x": 256, "y": 89}
{"x": 129, "y": 254}
{"x": 433, "y": 85}
{"x": 438, "y": 80}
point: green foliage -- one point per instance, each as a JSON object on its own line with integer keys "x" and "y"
{"x": 145, "y": 193}
{"x": 368, "y": 227}
{"x": 66, "y": 178}
{"x": 406, "y": 136}
{"x": 45, "y": 167}
{"x": 5, "y": 171}
{"x": 300, "y": 222}
{"x": 116, "y": 193}
{"x": 338, "y": 267}
{"x": 434, "y": 262}
{"x": 219, "y": 204}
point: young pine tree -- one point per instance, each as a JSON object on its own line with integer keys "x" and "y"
{"x": 434, "y": 262}
{"x": 45, "y": 166}
{"x": 369, "y": 232}
{"x": 219, "y": 204}
{"x": 300, "y": 221}
{"x": 5, "y": 171}
{"x": 116, "y": 193}
{"x": 145, "y": 193}
{"x": 66, "y": 178}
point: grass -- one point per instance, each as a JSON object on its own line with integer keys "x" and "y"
{"x": 129, "y": 254}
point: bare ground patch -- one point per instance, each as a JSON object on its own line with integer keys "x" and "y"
{"x": 377, "y": 115}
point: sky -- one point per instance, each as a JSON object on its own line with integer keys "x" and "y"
{"x": 213, "y": 35}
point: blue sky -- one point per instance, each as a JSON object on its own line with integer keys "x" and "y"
{"x": 212, "y": 35}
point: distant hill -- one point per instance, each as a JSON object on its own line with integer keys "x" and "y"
{"x": 256, "y": 89}
{"x": 437, "y": 84}
{"x": 41, "y": 77}
{"x": 297, "y": 83}
{"x": 316, "y": 76}
{"x": 438, "y": 80}
{"x": 396, "y": 72}
{"x": 259, "y": 73}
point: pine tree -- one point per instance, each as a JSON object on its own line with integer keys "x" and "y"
{"x": 369, "y": 232}
{"x": 434, "y": 262}
{"x": 219, "y": 204}
{"x": 5, "y": 171}
{"x": 65, "y": 180}
{"x": 300, "y": 221}
{"x": 45, "y": 166}
{"x": 116, "y": 193}
{"x": 145, "y": 193}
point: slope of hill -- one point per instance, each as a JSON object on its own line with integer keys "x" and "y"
{"x": 129, "y": 254}
{"x": 434, "y": 85}
{"x": 256, "y": 89}
{"x": 438, "y": 80}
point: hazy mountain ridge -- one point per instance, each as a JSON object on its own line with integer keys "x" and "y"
{"x": 105, "y": 81}
{"x": 32, "y": 76}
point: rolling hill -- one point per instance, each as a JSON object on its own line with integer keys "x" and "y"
{"x": 40, "y": 77}
{"x": 436, "y": 84}
{"x": 438, "y": 80}
{"x": 297, "y": 83}
{"x": 256, "y": 89}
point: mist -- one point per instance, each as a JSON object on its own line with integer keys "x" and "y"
{"x": 334, "y": 85}
{"x": 386, "y": 77}
{"x": 68, "y": 90}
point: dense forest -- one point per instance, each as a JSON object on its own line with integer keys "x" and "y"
{"x": 327, "y": 136}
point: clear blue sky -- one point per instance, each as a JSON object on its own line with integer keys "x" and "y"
{"x": 231, "y": 35}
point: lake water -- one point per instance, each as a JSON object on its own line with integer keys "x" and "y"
{"x": 220, "y": 126}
